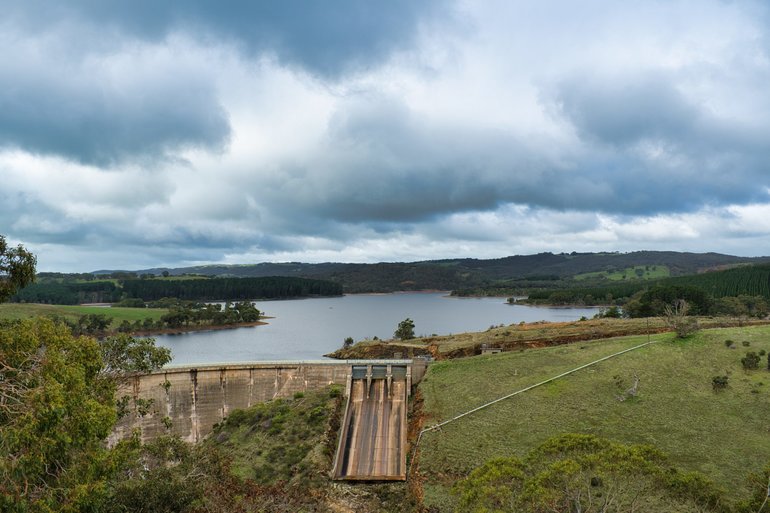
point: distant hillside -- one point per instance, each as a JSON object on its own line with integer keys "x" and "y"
{"x": 748, "y": 281}
{"x": 521, "y": 271}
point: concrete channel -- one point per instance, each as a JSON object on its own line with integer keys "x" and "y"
{"x": 372, "y": 442}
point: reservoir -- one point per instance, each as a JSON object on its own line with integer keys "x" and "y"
{"x": 306, "y": 329}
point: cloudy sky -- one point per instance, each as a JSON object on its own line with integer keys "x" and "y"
{"x": 144, "y": 133}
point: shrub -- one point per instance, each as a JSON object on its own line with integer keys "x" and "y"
{"x": 750, "y": 361}
{"x": 746, "y": 343}
{"x": 719, "y": 382}
{"x": 728, "y": 343}
{"x": 762, "y": 352}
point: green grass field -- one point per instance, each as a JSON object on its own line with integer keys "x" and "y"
{"x": 725, "y": 435}
{"x": 24, "y": 310}
{"x": 639, "y": 272}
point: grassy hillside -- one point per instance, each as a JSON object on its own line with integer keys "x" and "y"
{"x": 73, "y": 312}
{"x": 637, "y": 272}
{"x": 722, "y": 434}
{"x": 283, "y": 440}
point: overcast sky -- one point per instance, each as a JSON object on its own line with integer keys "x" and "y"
{"x": 144, "y": 133}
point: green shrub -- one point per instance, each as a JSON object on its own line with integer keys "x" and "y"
{"x": 719, "y": 382}
{"x": 750, "y": 361}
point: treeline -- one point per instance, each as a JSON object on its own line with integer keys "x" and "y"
{"x": 589, "y": 296}
{"x": 393, "y": 277}
{"x": 186, "y": 313}
{"x": 751, "y": 280}
{"x": 740, "y": 291}
{"x": 69, "y": 293}
{"x": 230, "y": 288}
{"x": 514, "y": 287}
{"x": 203, "y": 289}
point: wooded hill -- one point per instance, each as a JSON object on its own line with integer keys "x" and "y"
{"x": 520, "y": 272}
{"x": 748, "y": 281}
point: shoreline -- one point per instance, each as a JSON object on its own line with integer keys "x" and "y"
{"x": 194, "y": 329}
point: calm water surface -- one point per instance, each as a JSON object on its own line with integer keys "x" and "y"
{"x": 306, "y": 329}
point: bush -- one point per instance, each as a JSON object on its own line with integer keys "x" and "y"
{"x": 750, "y": 361}
{"x": 728, "y": 343}
{"x": 746, "y": 343}
{"x": 719, "y": 382}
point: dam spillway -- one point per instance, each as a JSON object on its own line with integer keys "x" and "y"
{"x": 372, "y": 442}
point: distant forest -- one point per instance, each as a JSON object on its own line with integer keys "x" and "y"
{"x": 63, "y": 290}
{"x": 500, "y": 276}
{"x": 743, "y": 290}
{"x": 274, "y": 287}
{"x": 749, "y": 280}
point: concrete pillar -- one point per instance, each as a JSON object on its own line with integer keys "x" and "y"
{"x": 408, "y": 379}
{"x": 368, "y": 379}
{"x": 348, "y": 381}
{"x": 389, "y": 380}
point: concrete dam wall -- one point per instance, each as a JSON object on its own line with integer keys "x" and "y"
{"x": 188, "y": 401}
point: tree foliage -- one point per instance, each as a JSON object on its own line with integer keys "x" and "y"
{"x": 17, "y": 269}
{"x": 274, "y": 287}
{"x": 676, "y": 316}
{"x": 57, "y": 406}
{"x": 68, "y": 291}
{"x": 405, "y": 330}
{"x": 759, "y": 486}
{"x": 584, "y": 473}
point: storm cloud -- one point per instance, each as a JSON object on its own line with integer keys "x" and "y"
{"x": 149, "y": 134}
{"x": 329, "y": 40}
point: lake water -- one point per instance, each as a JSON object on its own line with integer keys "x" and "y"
{"x": 306, "y": 329}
